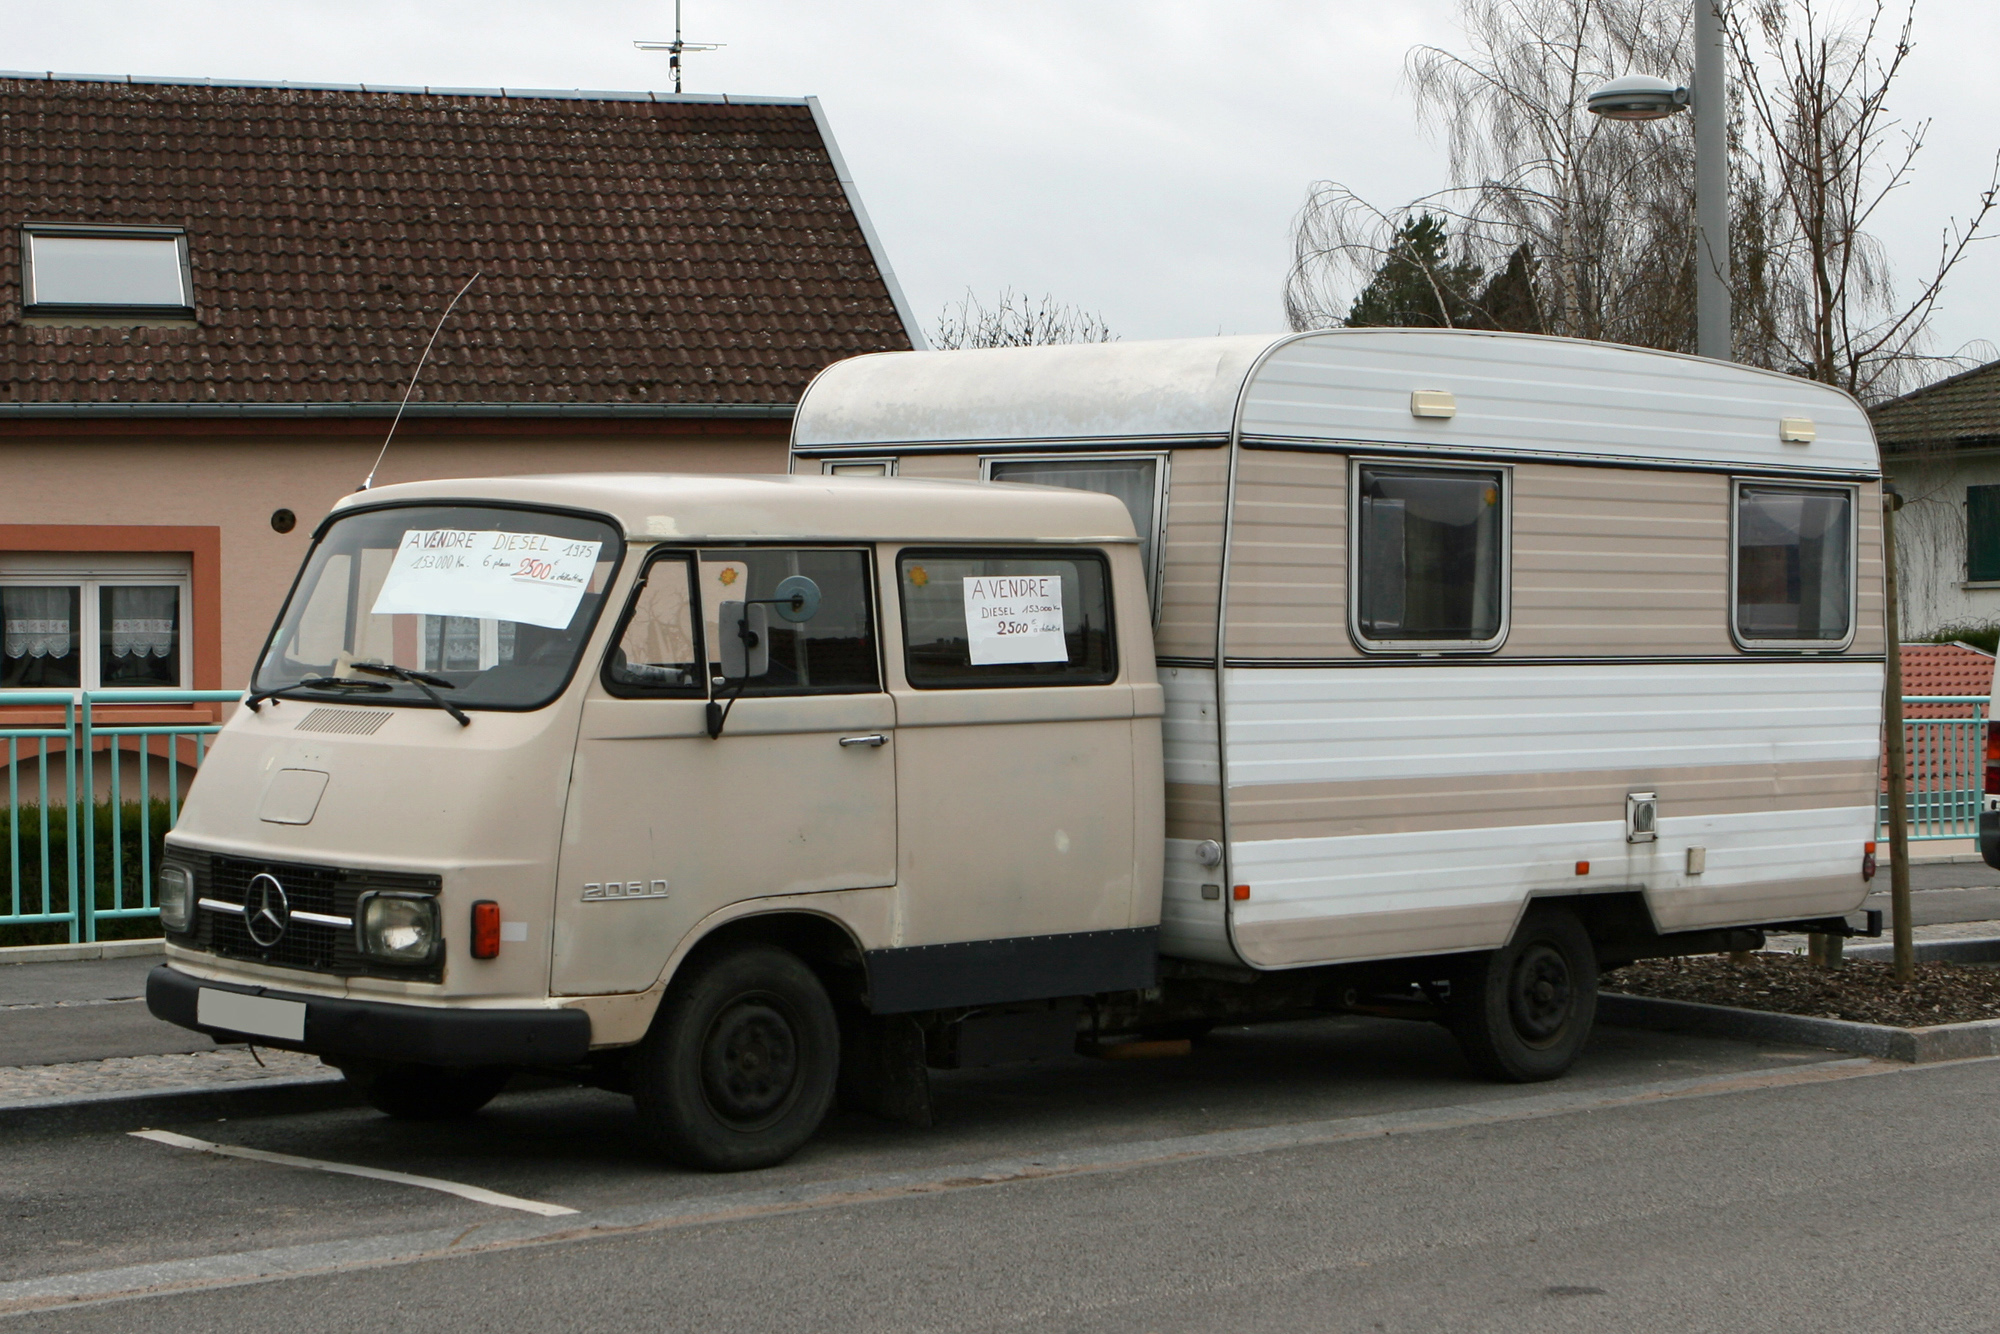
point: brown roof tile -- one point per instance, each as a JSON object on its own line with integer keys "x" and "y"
{"x": 1961, "y": 412}
{"x": 633, "y": 250}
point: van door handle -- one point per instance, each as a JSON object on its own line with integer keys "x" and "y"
{"x": 872, "y": 739}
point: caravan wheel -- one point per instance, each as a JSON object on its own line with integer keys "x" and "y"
{"x": 1523, "y": 1013}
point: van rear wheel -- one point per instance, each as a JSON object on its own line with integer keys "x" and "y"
{"x": 1522, "y": 1013}
{"x": 740, "y": 1066}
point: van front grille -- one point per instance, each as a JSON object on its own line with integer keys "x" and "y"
{"x": 330, "y": 891}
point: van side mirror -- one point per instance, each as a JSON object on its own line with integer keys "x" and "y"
{"x": 744, "y": 629}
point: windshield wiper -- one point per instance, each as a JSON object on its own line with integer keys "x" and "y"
{"x": 423, "y": 681}
{"x": 314, "y": 683}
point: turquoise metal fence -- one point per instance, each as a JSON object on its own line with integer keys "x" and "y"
{"x": 1947, "y": 759}
{"x": 82, "y": 856}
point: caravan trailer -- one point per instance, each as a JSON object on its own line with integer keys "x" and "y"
{"x": 1129, "y": 690}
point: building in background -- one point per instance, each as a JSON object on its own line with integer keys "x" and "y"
{"x": 1941, "y": 447}
{"x": 213, "y": 296}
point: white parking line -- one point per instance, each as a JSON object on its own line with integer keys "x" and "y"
{"x": 477, "y": 1194}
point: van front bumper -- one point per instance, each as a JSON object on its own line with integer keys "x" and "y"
{"x": 385, "y": 1031}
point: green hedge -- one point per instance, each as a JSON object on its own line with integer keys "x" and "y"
{"x": 129, "y": 873}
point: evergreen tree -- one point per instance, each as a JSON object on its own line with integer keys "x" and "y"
{"x": 1418, "y": 284}
{"x": 1508, "y": 299}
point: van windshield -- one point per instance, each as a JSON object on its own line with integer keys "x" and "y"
{"x": 491, "y": 605}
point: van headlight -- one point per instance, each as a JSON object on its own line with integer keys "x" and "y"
{"x": 173, "y": 891}
{"x": 398, "y": 928}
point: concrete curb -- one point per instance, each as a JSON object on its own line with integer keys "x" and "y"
{"x": 1917, "y": 1046}
{"x": 200, "y": 1102}
{"x": 99, "y": 949}
{"x": 1974, "y": 949}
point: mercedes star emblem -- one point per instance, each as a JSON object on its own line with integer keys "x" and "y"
{"x": 266, "y": 911}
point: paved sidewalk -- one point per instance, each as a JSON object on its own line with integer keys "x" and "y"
{"x": 81, "y": 1030}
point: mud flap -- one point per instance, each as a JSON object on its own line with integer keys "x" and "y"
{"x": 882, "y": 1069}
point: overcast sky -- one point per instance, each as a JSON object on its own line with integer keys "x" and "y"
{"x": 1140, "y": 158}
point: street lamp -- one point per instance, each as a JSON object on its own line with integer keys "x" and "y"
{"x": 1643, "y": 97}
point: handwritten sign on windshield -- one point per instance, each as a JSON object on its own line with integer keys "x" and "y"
{"x": 1015, "y": 618}
{"x": 532, "y": 578}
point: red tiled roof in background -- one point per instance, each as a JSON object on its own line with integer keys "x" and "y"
{"x": 635, "y": 250}
{"x": 1945, "y": 669}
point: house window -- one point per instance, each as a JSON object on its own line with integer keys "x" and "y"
{"x": 858, "y": 467}
{"x": 1429, "y": 557}
{"x": 1794, "y": 566}
{"x": 70, "y": 622}
{"x": 1982, "y": 533}
{"x": 105, "y": 271}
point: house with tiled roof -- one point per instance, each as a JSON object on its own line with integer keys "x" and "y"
{"x": 1941, "y": 447}
{"x": 214, "y": 296}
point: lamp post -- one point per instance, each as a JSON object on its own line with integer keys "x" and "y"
{"x": 1642, "y": 97}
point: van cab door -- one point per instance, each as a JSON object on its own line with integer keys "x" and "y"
{"x": 665, "y": 824}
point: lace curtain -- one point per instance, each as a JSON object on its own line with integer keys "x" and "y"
{"x": 37, "y": 622}
{"x": 142, "y": 621}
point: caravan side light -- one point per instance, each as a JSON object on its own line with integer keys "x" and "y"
{"x": 1583, "y": 868}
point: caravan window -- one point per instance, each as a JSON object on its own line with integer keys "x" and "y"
{"x": 1429, "y": 556}
{"x": 1133, "y": 478}
{"x": 1794, "y": 565}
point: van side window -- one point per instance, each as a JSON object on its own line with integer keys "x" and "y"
{"x": 1006, "y": 618}
{"x": 1794, "y": 564}
{"x": 832, "y": 652}
{"x": 1429, "y": 555}
{"x": 656, "y": 653}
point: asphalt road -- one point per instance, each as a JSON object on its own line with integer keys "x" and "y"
{"x": 1228, "y": 1190}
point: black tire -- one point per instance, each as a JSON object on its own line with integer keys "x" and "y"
{"x": 426, "y": 1092}
{"x": 1523, "y": 1013}
{"x": 740, "y": 1066}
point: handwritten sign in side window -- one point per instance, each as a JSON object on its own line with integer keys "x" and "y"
{"x": 1015, "y": 618}
{"x": 531, "y": 578}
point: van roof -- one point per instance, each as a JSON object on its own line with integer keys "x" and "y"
{"x": 1518, "y": 395}
{"x": 670, "y": 506}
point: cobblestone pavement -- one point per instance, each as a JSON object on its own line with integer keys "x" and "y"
{"x": 139, "y": 1074}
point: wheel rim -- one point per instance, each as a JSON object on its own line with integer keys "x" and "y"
{"x": 1541, "y": 996}
{"x": 750, "y": 1062}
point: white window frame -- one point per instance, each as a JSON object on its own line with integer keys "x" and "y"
{"x": 1736, "y": 485}
{"x": 1468, "y": 647}
{"x": 32, "y": 306}
{"x": 1162, "y": 466}
{"x": 113, "y": 570}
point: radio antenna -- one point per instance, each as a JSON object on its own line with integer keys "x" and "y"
{"x": 676, "y": 46}
{"x": 369, "y": 480}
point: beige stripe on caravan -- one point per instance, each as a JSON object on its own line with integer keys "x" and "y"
{"x": 1194, "y": 810}
{"x": 1191, "y": 560}
{"x": 1375, "y": 935}
{"x": 1421, "y": 805}
{"x": 1329, "y": 938}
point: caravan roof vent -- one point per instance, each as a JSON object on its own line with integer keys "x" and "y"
{"x": 1433, "y": 403}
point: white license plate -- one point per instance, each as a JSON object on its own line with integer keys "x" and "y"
{"x": 259, "y": 1015}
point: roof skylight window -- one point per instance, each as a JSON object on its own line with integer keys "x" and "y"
{"x": 92, "y": 271}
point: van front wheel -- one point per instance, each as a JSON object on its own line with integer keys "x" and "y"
{"x": 1523, "y": 1012}
{"x": 740, "y": 1066}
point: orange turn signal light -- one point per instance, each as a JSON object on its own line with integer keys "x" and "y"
{"x": 486, "y": 929}
{"x": 1869, "y": 847}
{"x": 1240, "y": 892}
{"x": 1583, "y": 868}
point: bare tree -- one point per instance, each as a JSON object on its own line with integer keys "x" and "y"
{"x": 1016, "y": 321}
{"x": 1828, "y": 152}
{"x": 1605, "y": 210}
{"x": 1602, "y": 209}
